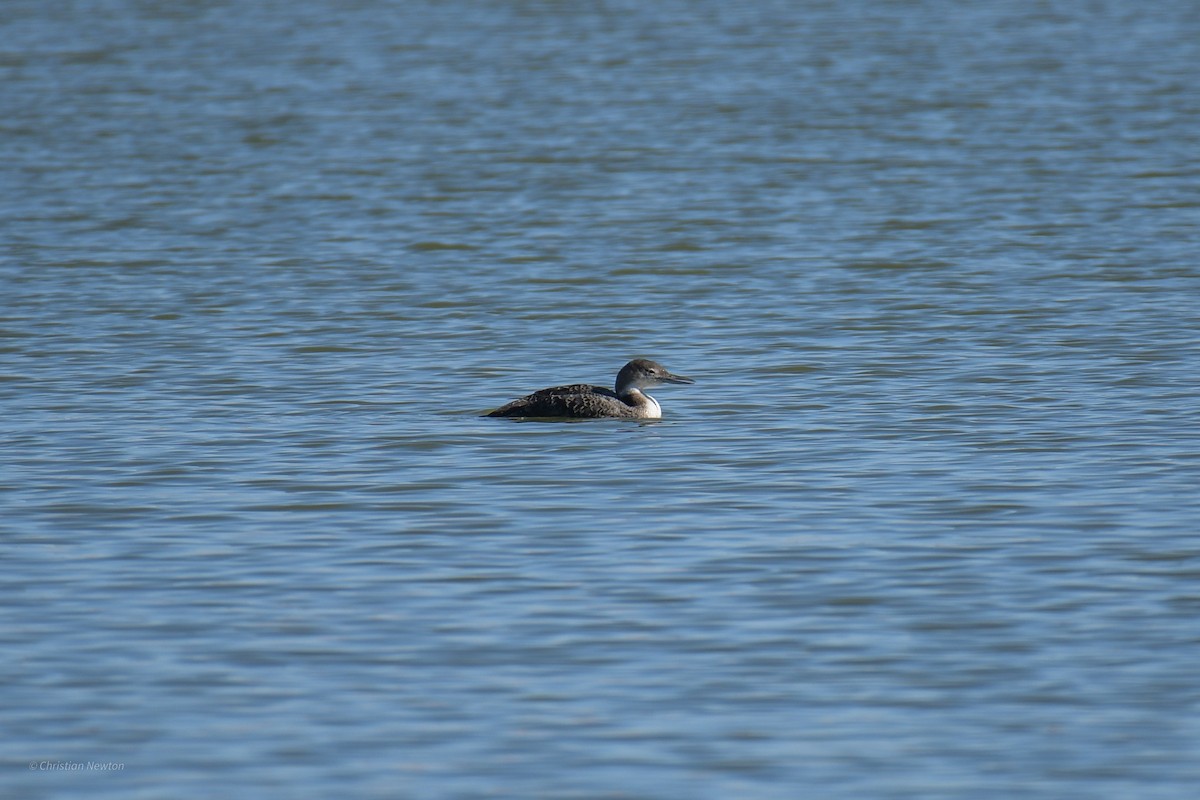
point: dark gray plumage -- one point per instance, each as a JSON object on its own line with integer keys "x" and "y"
{"x": 585, "y": 401}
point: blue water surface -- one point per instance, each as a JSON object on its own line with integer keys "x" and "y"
{"x": 924, "y": 527}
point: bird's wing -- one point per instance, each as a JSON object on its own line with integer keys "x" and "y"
{"x": 576, "y": 400}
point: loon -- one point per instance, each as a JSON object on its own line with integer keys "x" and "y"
{"x": 584, "y": 401}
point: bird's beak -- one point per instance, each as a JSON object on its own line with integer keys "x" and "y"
{"x": 669, "y": 378}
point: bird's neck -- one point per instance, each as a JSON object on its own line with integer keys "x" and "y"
{"x": 644, "y": 403}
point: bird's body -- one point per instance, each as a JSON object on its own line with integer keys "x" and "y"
{"x": 586, "y": 401}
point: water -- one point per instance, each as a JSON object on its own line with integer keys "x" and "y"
{"x": 923, "y": 528}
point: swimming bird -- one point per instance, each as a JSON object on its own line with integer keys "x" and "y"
{"x": 584, "y": 401}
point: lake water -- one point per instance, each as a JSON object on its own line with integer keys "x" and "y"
{"x": 925, "y": 526}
